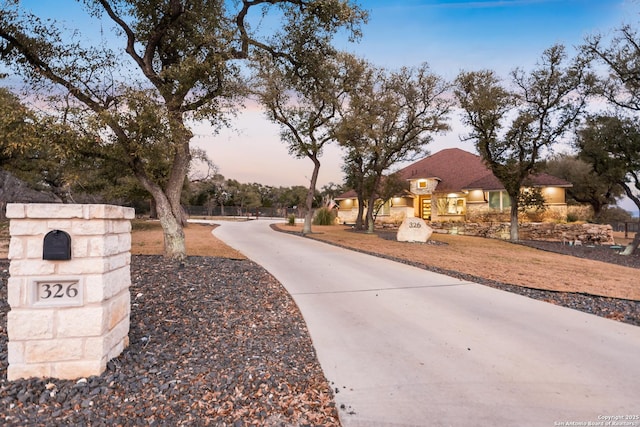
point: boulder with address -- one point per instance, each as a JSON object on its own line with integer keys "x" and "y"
{"x": 414, "y": 230}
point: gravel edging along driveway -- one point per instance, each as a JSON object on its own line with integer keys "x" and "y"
{"x": 623, "y": 310}
{"x": 213, "y": 341}
{"x": 218, "y": 342}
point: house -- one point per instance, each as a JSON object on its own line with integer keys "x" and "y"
{"x": 454, "y": 185}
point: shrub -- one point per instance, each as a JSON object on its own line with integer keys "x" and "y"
{"x": 291, "y": 219}
{"x": 324, "y": 216}
{"x": 576, "y": 213}
{"x": 572, "y": 217}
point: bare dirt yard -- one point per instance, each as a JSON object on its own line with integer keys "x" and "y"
{"x": 214, "y": 340}
{"x": 256, "y": 363}
{"x": 495, "y": 260}
{"x": 486, "y": 258}
{"x": 146, "y": 239}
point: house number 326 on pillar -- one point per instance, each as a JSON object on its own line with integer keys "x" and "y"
{"x": 58, "y": 293}
{"x": 58, "y": 290}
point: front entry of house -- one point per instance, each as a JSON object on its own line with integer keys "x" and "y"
{"x": 425, "y": 208}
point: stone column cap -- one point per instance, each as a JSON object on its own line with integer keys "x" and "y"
{"x": 68, "y": 211}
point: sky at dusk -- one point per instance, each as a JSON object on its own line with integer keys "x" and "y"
{"x": 450, "y": 35}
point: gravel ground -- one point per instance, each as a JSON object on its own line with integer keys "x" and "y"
{"x": 212, "y": 342}
{"x": 219, "y": 342}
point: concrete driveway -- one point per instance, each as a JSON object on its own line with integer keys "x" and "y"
{"x": 406, "y": 347}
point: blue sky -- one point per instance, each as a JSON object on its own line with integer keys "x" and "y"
{"x": 496, "y": 34}
{"x": 450, "y": 35}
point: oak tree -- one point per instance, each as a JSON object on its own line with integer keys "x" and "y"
{"x": 512, "y": 126}
{"x": 621, "y": 88}
{"x": 598, "y": 191}
{"x": 178, "y": 61}
{"x": 611, "y": 145}
{"x": 304, "y": 102}
{"x": 390, "y": 117}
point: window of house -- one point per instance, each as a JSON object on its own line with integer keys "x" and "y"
{"x": 499, "y": 200}
{"x": 451, "y": 208}
{"x": 456, "y": 206}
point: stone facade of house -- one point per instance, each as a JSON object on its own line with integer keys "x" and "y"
{"x": 454, "y": 185}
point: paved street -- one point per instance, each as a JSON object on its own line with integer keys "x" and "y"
{"x": 406, "y": 347}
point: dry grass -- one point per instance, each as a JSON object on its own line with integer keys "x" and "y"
{"x": 620, "y": 238}
{"x": 496, "y": 260}
{"x": 487, "y": 258}
{"x": 4, "y": 239}
{"x": 147, "y": 239}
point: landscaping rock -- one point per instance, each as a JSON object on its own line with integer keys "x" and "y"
{"x": 414, "y": 230}
{"x": 599, "y": 234}
{"x": 213, "y": 341}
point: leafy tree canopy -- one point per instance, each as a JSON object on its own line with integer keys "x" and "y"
{"x": 587, "y": 186}
{"x": 512, "y": 126}
{"x": 180, "y": 62}
{"x": 390, "y": 117}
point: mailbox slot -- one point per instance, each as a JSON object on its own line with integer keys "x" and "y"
{"x": 56, "y": 246}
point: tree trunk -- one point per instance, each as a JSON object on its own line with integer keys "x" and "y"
{"x": 370, "y": 217}
{"x": 308, "y": 217}
{"x": 174, "y": 242}
{"x": 171, "y": 219}
{"x": 513, "y": 229}
{"x": 633, "y": 246}
{"x": 359, "y": 218}
{"x": 372, "y": 204}
{"x": 370, "y": 220}
{"x": 170, "y": 212}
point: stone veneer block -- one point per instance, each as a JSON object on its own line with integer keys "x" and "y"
{"x": 27, "y": 228}
{"x": 42, "y": 370}
{"x": 78, "y": 368}
{"x": 29, "y": 325}
{"x": 26, "y": 268}
{"x": 15, "y": 296}
{"x": 81, "y": 322}
{"x": 43, "y": 351}
{"x": 16, "y": 210}
{"x": 53, "y": 211}
{"x": 108, "y": 211}
{"x": 68, "y": 317}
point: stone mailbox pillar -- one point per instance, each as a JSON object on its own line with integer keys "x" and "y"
{"x": 69, "y": 314}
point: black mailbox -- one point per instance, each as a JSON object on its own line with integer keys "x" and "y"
{"x": 57, "y": 246}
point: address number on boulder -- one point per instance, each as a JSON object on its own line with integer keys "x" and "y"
{"x": 57, "y": 293}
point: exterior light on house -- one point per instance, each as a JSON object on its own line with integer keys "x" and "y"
{"x": 475, "y": 190}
